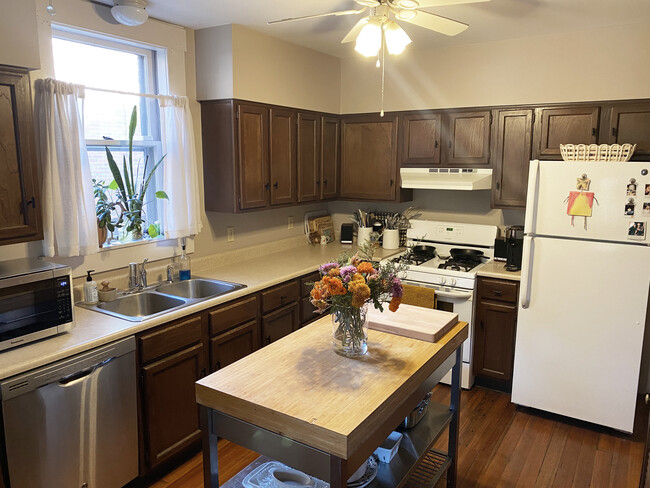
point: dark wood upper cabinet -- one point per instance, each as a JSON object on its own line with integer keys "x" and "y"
{"x": 330, "y": 156}
{"x": 282, "y": 158}
{"x": 466, "y": 139}
{"x": 511, "y": 150}
{"x": 309, "y": 178}
{"x": 369, "y": 157}
{"x": 252, "y": 144}
{"x": 630, "y": 124}
{"x": 20, "y": 218}
{"x": 564, "y": 125}
{"x": 420, "y": 139}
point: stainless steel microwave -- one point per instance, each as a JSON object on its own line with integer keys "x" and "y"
{"x": 36, "y": 301}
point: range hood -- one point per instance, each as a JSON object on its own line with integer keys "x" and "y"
{"x": 446, "y": 178}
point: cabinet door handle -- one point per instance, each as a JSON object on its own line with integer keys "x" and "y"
{"x": 267, "y": 186}
{"x": 325, "y": 182}
{"x": 275, "y": 185}
{"x": 218, "y": 365}
{"x": 435, "y": 144}
{"x": 31, "y": 202}
{"x": 268, "y": 340}
{"x": 593, "y": 131}
{"x": 318, "y": 182}
{"x": 203, "y": 373}
{"x": 497, "y": 293}
{"x": 614, "y": 131}
{"x": 498, "y": 186}
{"x": 392, "y": 182}
{"x": 482, "y": 324}
{"x": 283, "y": 298}
{"x": 449, "y": 144}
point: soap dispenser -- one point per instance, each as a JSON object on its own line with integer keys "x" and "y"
{"x": 184, "y": 272}
{"x": 90, "y": 289}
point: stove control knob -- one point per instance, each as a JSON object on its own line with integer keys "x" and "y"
{"x": 443, "y": 280}
{"x": 452, "y": 281}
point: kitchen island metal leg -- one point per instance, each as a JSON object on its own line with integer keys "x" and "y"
{"x": 210, "y": 458}
{"x": 454, "y": 406}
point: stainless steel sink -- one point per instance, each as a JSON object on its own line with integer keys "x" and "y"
{"x": 161, "y": 298}
{"x": 198, "y": 288}
{"x": 140, "y": 306}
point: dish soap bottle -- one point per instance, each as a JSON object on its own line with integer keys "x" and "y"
{"x": 184, "y": 264}
{"x": 90, "y": 289}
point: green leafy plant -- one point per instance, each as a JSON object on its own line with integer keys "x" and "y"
{"x": 132, "y": 185}
{"x": 104, "y": 206}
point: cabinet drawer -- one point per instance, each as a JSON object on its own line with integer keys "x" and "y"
{"x": 233, "y": 314}
{"x": 307, "y": 283}
{"x": 169, "y": 338}
{"x": 233, "y": 345}
{"x": 280, "y": 295}
{"x": 280, "y": 323}
{"x": 493, "y": 289}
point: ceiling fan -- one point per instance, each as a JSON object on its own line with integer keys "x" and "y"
{"x": 382, "y": 16}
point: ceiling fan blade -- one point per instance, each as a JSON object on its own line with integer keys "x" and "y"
{"x": 436, "y": 23}
{"x": 328, "y": 14}
{"x": 440, "y": 3}
{"x": 354, "y": 32}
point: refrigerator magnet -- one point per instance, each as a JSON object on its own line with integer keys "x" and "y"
{"x": 647, "y": 190}
{"x": 636, "y": 230}
{"x": 629, "y": 207}
{"x": 646, "y": 208}
{"x": 631, "y": 188}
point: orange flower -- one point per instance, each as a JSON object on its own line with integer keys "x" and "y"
{"x": 334, "y": 286}
{"x": 360, "y": 293}
{"x": 365, "y": 267}
{"x": 358, "y": 277}
{"x": 394, "y": 304}
{"x": 334, "y": 272}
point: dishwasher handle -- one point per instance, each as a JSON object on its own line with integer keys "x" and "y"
{"x": 70, "y": 379}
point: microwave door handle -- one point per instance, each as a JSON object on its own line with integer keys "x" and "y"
{"x": 24, "y": 279}
{"x": 526, "y": 275}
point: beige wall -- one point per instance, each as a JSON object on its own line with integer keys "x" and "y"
{"x": 599, "y": 64}
{"x": 214, "y": 63}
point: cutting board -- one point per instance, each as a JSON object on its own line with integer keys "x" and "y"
{"x": 421, "y": 323}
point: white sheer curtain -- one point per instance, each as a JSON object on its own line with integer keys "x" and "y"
{"x": 69, "y": 222}
{"x": 180, "y": 175}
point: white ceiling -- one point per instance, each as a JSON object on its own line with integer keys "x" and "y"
{"x": 491, "y": 21}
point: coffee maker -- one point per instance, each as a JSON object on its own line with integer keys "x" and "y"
{"x": 514, "y": 247}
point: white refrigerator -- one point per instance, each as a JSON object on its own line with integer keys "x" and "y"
{"x": 585, "y": 281}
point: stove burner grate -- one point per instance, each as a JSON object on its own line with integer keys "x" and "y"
{"x": 459, "y": 264}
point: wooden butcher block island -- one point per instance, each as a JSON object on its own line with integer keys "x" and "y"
{"x": 298, "y": 402}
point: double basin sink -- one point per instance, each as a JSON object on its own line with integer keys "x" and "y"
{"x": 165, "y": 297}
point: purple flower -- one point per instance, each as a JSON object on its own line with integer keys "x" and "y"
{"x": 327, "y": 266}
{"x": 397, "y": 288}
{"x": 347, "y": 272}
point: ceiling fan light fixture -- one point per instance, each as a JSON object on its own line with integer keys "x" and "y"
{"x": 396, "y": 38}
{"x": 408, "y": 4}
{"x": 130, "y": 12}
{"x": 369, "y": 39}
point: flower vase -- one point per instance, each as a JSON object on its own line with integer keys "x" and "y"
{"x": 350, "y": 330}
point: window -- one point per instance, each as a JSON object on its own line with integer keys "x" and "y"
{"x": 99, "y": 64}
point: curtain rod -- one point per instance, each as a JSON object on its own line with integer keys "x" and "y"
{"x": 145, "y": 95}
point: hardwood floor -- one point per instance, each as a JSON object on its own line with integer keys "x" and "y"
{"x": 500, "y": 445}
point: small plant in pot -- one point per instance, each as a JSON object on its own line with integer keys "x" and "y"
{"x": 104, "y": 208}
{"x": 131, "y": 185}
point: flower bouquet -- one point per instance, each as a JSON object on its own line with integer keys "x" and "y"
{"x": 346, "y": 288}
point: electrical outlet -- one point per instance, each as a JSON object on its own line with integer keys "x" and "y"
{"x": 231, "y": 234}
{"x": 290, "y": 223}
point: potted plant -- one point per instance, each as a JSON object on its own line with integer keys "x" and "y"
{"x": 131, "y": 185}
{"x": 104, "y": 208}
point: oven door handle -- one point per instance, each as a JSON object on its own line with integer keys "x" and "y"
{"x": 453, "y": 294}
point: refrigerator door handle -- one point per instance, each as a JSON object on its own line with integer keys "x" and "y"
{"x": 526, "y": 275}
{"x": 531, "y": 203}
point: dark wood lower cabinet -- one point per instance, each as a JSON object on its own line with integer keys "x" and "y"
{"x": 170, "y": 411}
{"x": 233, "y": 345}
{"x": 494, "y": 333}
{"x": 277, "y": 324}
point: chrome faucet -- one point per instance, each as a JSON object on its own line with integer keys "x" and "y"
{"x": 143, "y": 274}
{"x": 134, "y": 281}
{"x": 170, "y": 273}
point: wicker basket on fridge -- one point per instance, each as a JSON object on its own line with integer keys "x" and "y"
{"x": 596, "y": 152}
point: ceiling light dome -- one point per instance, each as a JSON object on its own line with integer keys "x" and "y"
{"x": 130, "y": 12}
{"x": 396, "y": 38}
{"x": 369, "y": 39}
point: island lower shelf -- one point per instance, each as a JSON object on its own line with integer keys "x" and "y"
{"x": 415, "y": 464}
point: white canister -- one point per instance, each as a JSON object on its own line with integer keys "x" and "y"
{"x": 391, "y": 239}
{"x": 363, "y": 235}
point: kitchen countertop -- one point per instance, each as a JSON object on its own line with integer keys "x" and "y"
{"x": 94, "y": 329}
{"x": 496, "y": 269}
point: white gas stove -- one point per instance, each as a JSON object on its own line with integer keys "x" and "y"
{"x": 460, "y": 251}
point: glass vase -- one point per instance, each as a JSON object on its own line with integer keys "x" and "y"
{"x": 350, "y": 330}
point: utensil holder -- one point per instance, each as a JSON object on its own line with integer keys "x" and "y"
{"x": 391, "y": 239}
{"x": 363, "y": 235}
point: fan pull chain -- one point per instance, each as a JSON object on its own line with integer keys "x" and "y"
{"x": 383, "y": 67}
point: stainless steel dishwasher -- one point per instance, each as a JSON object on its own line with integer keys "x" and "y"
{"x": 74, "y": 423}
